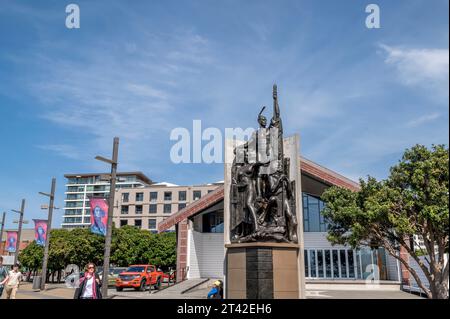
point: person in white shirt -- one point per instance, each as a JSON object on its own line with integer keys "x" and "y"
{"x": 89, "y": 285}
{"x": 12, "y": 285}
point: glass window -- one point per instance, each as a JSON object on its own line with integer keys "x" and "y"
{"x": 213, "y": 222}
{"x": 125, "y": 197}
{"x": 327, "y": 264}
{"x": 320, "y": 263}
{"x": 138, "y": 223}
{"x": 123, "y": 222}
{"x": 181, "y": 206}
{"x": 335, "y": 264}
{"x": 196, "y": 195}
{"x": 153, "y": 196}
{"x": 343, "y": 260}
{"x": 167, "y": 208}
{"x": 138, "y": 209}
{"x": 306, "y": 264}
{"x": 182, "y": 196}
{"x": 351, "y": 264}
{"x": 167, "y": 195}
{"x": 312, "y": 254}
{"x": 366, "y": 262}
{"x": 124, "y": 209}
{"x": 313, "y": 220}
{"x": 152, "y": 223}
{"x": 139, "y": 197}
{"x": 152, "y": 208}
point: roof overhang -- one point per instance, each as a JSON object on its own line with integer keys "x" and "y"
{"x": 206, "y": 201}
{"x": 307, "y": 167}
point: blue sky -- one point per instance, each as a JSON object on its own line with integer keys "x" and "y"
{"x": 358, "y": 97}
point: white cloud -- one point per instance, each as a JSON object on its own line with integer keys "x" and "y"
{"x": 65, "y": 150}
{"x": 423, "y": 119}
{"x": 428, "y": 68}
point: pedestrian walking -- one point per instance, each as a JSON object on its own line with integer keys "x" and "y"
{"x": 3, "y": 276}
{"x": 89, "y": 285}
{"x": 13, "y": 282}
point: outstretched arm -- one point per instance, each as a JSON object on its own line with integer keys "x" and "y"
{"x": 276, "y": 107}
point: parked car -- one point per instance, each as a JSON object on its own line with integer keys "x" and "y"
{"x": 113, "y": 274}
{"x": 139, "y": 277}
{"x": 169, "y": 276}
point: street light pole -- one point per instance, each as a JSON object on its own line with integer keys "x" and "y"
{"x": 112, "y": 189}
{"x": 1, "y": 232}
{"x": 49, "y": 227}
{"x": 19, "y": 232}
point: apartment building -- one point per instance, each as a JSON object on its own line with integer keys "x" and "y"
{"x": 80, "y": 187}
{"x": 146, "y": 207}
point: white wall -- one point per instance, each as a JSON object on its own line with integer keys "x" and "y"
{"x": 318, "y": 240}
{"x": 206, "y": 255}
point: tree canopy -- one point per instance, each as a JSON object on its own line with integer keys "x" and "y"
{"x": 130, "y": 245}
{"x": 413, "y": 201}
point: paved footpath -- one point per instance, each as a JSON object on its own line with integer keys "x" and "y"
{"x": 60, "y": 291}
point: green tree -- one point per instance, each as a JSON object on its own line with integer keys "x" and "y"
{"x": 31, "y": 257}
{"x": 163, "y": 250}
{"x": 413, "y": 200}
{"x": 131, "y": 245}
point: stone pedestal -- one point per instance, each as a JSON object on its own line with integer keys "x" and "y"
{"x": 262, "y": 271}
{"x": 265, "y": 270}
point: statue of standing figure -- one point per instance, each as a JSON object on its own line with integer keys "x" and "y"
{"x": 262, "y": 195}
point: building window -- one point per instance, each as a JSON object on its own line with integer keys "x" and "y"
{"x": 313, "y": 220}
{"x": 123, "y": 222}
{"x": 68, "y": 220}
{"x": 196, "y": 195}
{"x": 213, "y": 222}
{"x": 138, "y": 209}
{"x": 139, "y": 197}
{"x": 210, "y": 190}
{"x": 167, "y": 208}
{"x": 152, "y": 208}
{"x": 181, "y": 206}
{"x": 124, "y": 209}
{"x": 167, "y": 195}
{"x": 335, "y": 263}
{"x": 138, "y": 223}
{"x": 125, "y": 197}
{"x": 182, "y": 196}
{"x": 152, "y": 223}
{"x": 153, "y": 196}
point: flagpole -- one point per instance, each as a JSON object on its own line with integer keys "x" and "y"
{"x": 1, "y": 234}
{"x": 112, "y": 189}
{"x": 49, "y": 227}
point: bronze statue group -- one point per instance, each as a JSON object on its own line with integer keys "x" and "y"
{"x": 262, "y": 194}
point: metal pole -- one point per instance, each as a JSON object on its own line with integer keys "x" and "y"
{"x": 110, "y": 217}
{"x": 49, "y": 227}
{"x": 19, "y": 232}
{"x": 1, "y": 233}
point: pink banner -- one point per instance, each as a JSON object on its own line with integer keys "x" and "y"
{"x": 99, "y": 215}
{"x": 11, "y": 241}
{"x": 40, "y": 231}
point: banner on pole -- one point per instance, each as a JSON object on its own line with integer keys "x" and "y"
{"x": 40, "y": 231}
{"x": 99, "y": 215}
{"x": 11, "y": 241}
